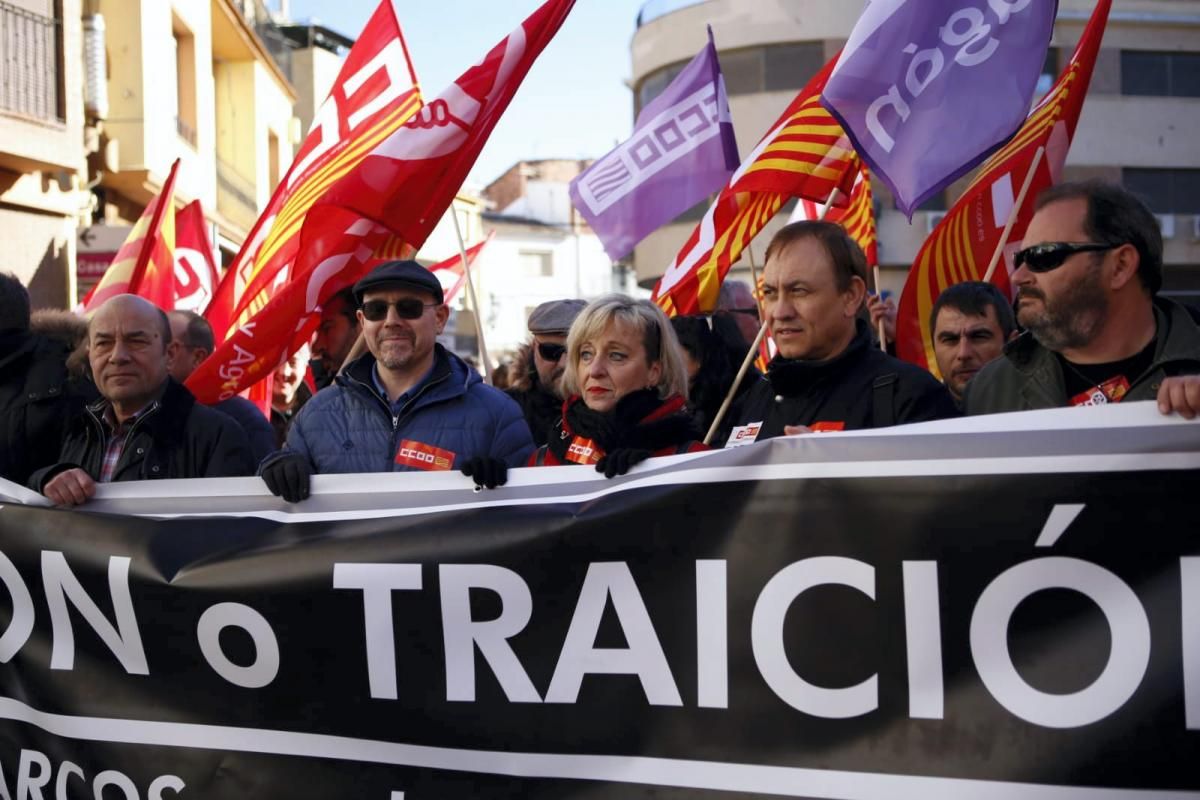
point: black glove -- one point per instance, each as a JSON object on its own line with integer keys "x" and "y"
{"x": 621, "y": 460}
{"x": 288, "y": 477}
{"x": 487, "y": 471}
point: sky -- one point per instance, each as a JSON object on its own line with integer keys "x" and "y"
{"x": 573, "y": 104}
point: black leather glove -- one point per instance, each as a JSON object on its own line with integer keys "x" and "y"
{"x": 487, "y": 471}
{"x": 288, "y": 477}
{"x": 621, "y": 460}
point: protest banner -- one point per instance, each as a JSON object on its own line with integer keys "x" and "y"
{"x": 1005, "y": 607}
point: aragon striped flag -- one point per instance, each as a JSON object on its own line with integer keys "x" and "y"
{"x": 961, "y": 246}
{"x": 145, "y": 264}
{"x": 804, "y": 154}
{"x": 375, "y": 93}
{"x": 857, "y": 216}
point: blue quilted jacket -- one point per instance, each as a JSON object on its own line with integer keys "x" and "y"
{"x": 454, "y": 416}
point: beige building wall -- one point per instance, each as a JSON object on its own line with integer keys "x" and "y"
{"x": 43, "y": 166}
{"x": 1115, "y": 130}
{"x": 314, "y": 70}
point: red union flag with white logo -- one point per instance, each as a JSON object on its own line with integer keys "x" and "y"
{"x": 196, "y": 274}
{"x": 374, "y": 94}
{"x": 409, "y": 179}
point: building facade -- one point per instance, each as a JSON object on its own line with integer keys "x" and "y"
{"x": 1138, "y": 125}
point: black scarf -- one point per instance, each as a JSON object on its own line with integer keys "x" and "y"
{"x": 626, "y": 425}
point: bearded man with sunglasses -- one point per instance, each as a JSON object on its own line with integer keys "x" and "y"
{"x": 540, "y": 365}
{"x": 1096, "y": 332}
{"x": 408, "y": 404}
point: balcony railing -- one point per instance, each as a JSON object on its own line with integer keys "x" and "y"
{"x": 277, "y": 43}
{"x": 30, "y": 63}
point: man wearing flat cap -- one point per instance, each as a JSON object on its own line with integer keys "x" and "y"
{"x": 540, "y": 364}
{"x": 407, "y": 404}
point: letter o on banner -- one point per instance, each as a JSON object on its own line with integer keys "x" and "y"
{"x": 266, "y": 663}
{"x": 110, "y": 777}
{"x": 1127, "y": 661}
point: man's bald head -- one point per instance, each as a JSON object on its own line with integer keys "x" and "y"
{"x": 132, "y": 307}
{"x": 129, "y": 348}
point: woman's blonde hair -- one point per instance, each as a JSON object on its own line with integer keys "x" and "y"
{"x": 658, "y": 338}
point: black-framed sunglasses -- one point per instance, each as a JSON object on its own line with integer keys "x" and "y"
{"x": 550, "y": 351}
{"x": 406, "y": 308}
{"x": 1051, "y": 255}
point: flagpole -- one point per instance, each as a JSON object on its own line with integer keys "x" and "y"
{"x": 1012, "y": 215}
{"x": 751, "y": 354}
{"x": 466, "y": 264}
{"x": 879, "y": 294}
{"x": 754, "y": 277}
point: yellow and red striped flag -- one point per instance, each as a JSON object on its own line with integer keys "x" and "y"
{"x": 962, "y": 245}
{"x": 805, "y": 154}
{"x": 145, "y": 264}
{"x": 857, "y": 215}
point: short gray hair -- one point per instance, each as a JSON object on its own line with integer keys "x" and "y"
{"x": 658, "y": 338}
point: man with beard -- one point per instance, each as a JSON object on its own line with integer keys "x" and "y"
{"x": 540, "y": 364}
{"x": 335, "y": 337}
{"x": 1087, "y": 282}
{"x": 407, "y": 404}
{"x": 969, "y": 324}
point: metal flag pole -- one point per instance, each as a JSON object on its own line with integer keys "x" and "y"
{"x": 1012, "y": 215}
{"x": 462, "y": 251}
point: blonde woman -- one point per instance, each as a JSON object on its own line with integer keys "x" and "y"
{"x": 626, "y": 388}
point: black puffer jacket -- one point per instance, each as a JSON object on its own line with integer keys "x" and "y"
{"x": 35, "y": 403}
{"x": 541, "y": 408}
{"x": 175, "y": 438}
{"x": 861, "y": 388}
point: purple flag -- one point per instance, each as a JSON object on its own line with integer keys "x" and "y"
{"x": 927, "y": 89}
{"x": 682, "y": 150}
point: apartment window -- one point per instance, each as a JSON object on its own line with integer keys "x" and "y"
{"x": 272, "y": 160}
{"x": 1153, "y": 74}
{"x": 31, "y": 66}
{"x": 1166, "y": 191}
{"x": 535, "y": 264}
{"x": 184, "y": 99}
{"x": 771, "y": 68}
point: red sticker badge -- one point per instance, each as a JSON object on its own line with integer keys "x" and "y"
{"x": 424, "y": 456}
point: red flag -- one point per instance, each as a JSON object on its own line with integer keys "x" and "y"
{"x": 375, "y": 92}
{"x": 452, "y": 273}
{"x": 804, "y": 154}
{"x": 409, "y": 179}
{"x": 329, "y": 263}
{"x": 196, "y": 273}
{"x": 145, "y": 264}
{"x": 961, "y": 246}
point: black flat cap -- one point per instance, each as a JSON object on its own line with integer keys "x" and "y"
{"x": 555, "y": 316}
{"x": 408, "y": 274}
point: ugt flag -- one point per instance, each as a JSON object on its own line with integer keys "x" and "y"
{"x": 681, "y": 151}
{"x": 927, "y": 89}
{"x": 196, "y": 273}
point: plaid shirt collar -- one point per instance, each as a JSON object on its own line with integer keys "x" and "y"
{"x": 116, "y": 435}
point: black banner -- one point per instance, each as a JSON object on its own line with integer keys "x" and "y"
{"x": 917, "y": 613}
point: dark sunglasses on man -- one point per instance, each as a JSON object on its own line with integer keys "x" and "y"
{"x": 406, "y": 308}
{"x": 550, "y": 351}
{"x": 1051, "y": 255}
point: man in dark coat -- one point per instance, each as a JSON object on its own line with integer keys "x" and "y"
{"x": 35, "y": 396}
{"x": 1087, "y": 286}
{"x": 828, "y": 374}
{"x": 540, "y": 364}
{"x": 146, "y": 426}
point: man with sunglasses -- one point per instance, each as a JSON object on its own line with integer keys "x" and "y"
{"x": 408, "y": 404}
{"x": 1086, "y": 292}
{"x": 540, "y": 366}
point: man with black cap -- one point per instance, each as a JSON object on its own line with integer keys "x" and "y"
{"x": 540, "y": 364}
{"x": 407, "y": 404}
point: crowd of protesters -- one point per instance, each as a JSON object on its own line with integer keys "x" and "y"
{"x": 607, "y": 383}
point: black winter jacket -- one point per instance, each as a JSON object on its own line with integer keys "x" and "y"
{"x": 35, "y": 402}
{"x": 175, "y": 438}
{"x": 842, "y": 393}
